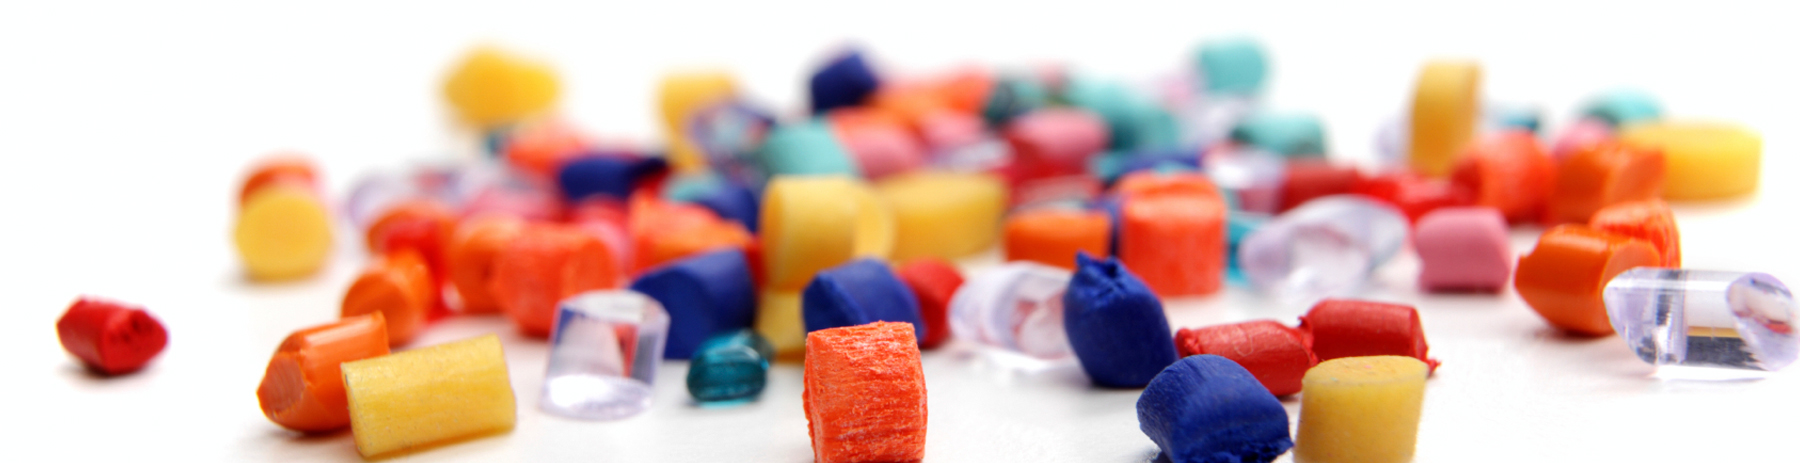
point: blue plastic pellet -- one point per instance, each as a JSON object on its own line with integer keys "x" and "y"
{"x": 733, "y": 201}
{"x": 844, "y": 82}
{"x": 858, "y": 292}
{"x": 1206, "y": 408}
{"x": 705, "y": 295}
{"x": 1116, "y": 325}
{"x": 611, "y": 175}
{"x": 730, "y": 367}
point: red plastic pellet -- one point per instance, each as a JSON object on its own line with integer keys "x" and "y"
{"x": 932, "y": 281}
{"x": 110, "y": 337}
{"x": 1349, "y": 328}
{"x": 1277, "y": 355}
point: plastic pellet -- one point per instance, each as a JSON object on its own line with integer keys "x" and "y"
{"x": 778, "y": 320}
{"x": 1602, "y": 175}
{"x": 1011, "y": 97}
{"x": 1116, "y": 325}
{"x": 730, "y": 367}
{"x": 474, "y": 249}
{"x": 491, "y": 87}
{"x": 1239, "y": 225}
{"x": 813, "y": 223}
{"x": 287, "y": 170}
{"x": 1445, "y": 108}
{"x": 865, "y": 394}
{"x": 399, "y": 287}
{"x": 543, "y": 265}
{"x": 680, "y": 96}
{"x": 933, "y": 282}
{"x": 1463, "y": 249}
{"x": 1016, "y": 306}
{"x": 1413, "y": 194}
{"x": 1509, "y": 172}
{"x": 303, "y": 389}
{"x": 1508, "y": 117}
{"x": 1361, "y": 410}
{"x": 1054, "y": 142}
{"x": 538, "y": 148}
{"x": 1623, "y": 107}
{"x": 1309, "y": 179}
{"x": 1704, "y": 318}
{"x": 1173, "y": 234}
{"x": 1054, "y": 236}
{"x": 603, "y": 355}
{"x": 858, "y": 292}
{"x": 429, "y": 396}
{"x": 1706, "y": 160}
{"x": 806, "y": 148}
{"x": 1133, "y": 122}
{"x": 615, "y": 176}
{"x": 419, "y": 225}
{"x": 1206, "y": 408}
{"x": 730, "y": 135}
{"x": 1342, "y": 328}
{"x": 1277, "y": 355}
{"x": 1251, "y": 179}
{"x": 880, "y": 144}
{"x": 1649, "y": 220}
{"x": 282, "y": 231}
{"x": 110, "y": 337}
{"x": 663, "y": 232}
{"x": 705, "y": 295}
{"x": 1287, "y": 134}
{"x": 735, "y": 202}
{"x": 1232, "y": 66}
{"x": 1562, "y": 278}
{"x": 1329, "y": 245}
{"x": 942, "y": 214}
{"x": 1581, "y": 135}
{"x": 846, "y": 80}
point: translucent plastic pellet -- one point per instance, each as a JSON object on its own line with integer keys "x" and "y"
{"x": 1325, "y": 246}
{"x": 1016, "y": 306}
{"x": 1704, "y": 318}
{"x": 603, "y": 355}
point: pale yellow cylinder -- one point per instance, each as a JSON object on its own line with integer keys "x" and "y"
{"x": 282, "y": 232}
{"x": 1445, "y": 107}
{"x": 679, "y": 96}
{"x": 429, "y": 396}
{"x": 814, "y": 223}
{"x": 778, "y": 320}
{"x": 1361, "y": 410}
{"x": 1704, "y": 160}
{"x": 943, "y": 214}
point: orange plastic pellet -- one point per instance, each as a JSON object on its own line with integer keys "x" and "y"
{"x": 411, "y": 224}
{"x": 544, "y": 265}
{"x": 399, "y": 286}
{"x": 474, "y": 248}
{"x": 1054, "y": 236}
{"x": 1172, "y": 233}
{"x": 864, "y": 394}
{"x": 1510, "y": 172}
{"x": 1563, "y": 277}
{"x": 1600, "y": 175}
{"x": 1648, "y": 220}
{"x": 540, "y": 148}
{"x": 302, "y": 389}
{"x": 663, "y": 232}
{"x": 284, "y": 169}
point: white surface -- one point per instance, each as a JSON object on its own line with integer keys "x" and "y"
{"x": 127, "y": 126}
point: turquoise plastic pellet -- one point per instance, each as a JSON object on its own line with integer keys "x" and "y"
{"x": 1624, "y": 107}
{"x": 1011, "y": 97}
{"x": 1235, "y": 66}
{"x": 1287, "y": 133}
{"x": 730, "y": 367}
{"x": 806, "y": 148}
{"x": 1133, "y": 120}
{"x": 1239, "y": 224}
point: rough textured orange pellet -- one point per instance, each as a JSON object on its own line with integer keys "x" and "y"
{"x": 545, "y": 264}
{"x": 665, "y": 231}
{"x": 1053, "y": 236}
{"x": 1510, "y": 172}
{"x": 1563, "y": 277}
{"x": 1172, "y": 233}
{"x": 1648, "y": 220}
{"x": 399, "y": 286}
{"x": 474, "y": 249}
{"x": 1603, "y": 174}
{"x": 864, "y": 394}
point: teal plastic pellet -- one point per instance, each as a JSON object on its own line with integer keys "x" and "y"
{"x": 1285, "y": 133}
{"x": 1134, "y": 121}
{"x": 1235, "y": 66}
{"x": 730, "y": 367}
{"x": 806, "y": 148}
{"x": 1011, "y": 97}
{"x": 1624, "y": 107}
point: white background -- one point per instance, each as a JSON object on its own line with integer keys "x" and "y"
{"x": 125, "y": 127}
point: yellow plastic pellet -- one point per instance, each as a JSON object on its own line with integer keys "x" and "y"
{"x": 429, "y": 396}
{"x": 942, "y": 214}
{"x": 282, "y": 232}
{"x": 680, "y": 95}
{"x": 814, "y": 223}
{"x": 491, "y": 88}
{"x": 1445, "y": 106}
{"x": 1361, "y": 410}
{"x": 1704, "y": 160}
{"x": 778, "y": 320}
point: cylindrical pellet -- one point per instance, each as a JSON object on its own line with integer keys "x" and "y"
{"x": 1361, "y": 410}
{"x": 944, "y": 215}
{"x": 813, "y": 223}
{"x": 679, "y": 96}
{"x": 429, "y": 396}
{"x": 1445, "y": 106}
{"x": 1705, "y": 160}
